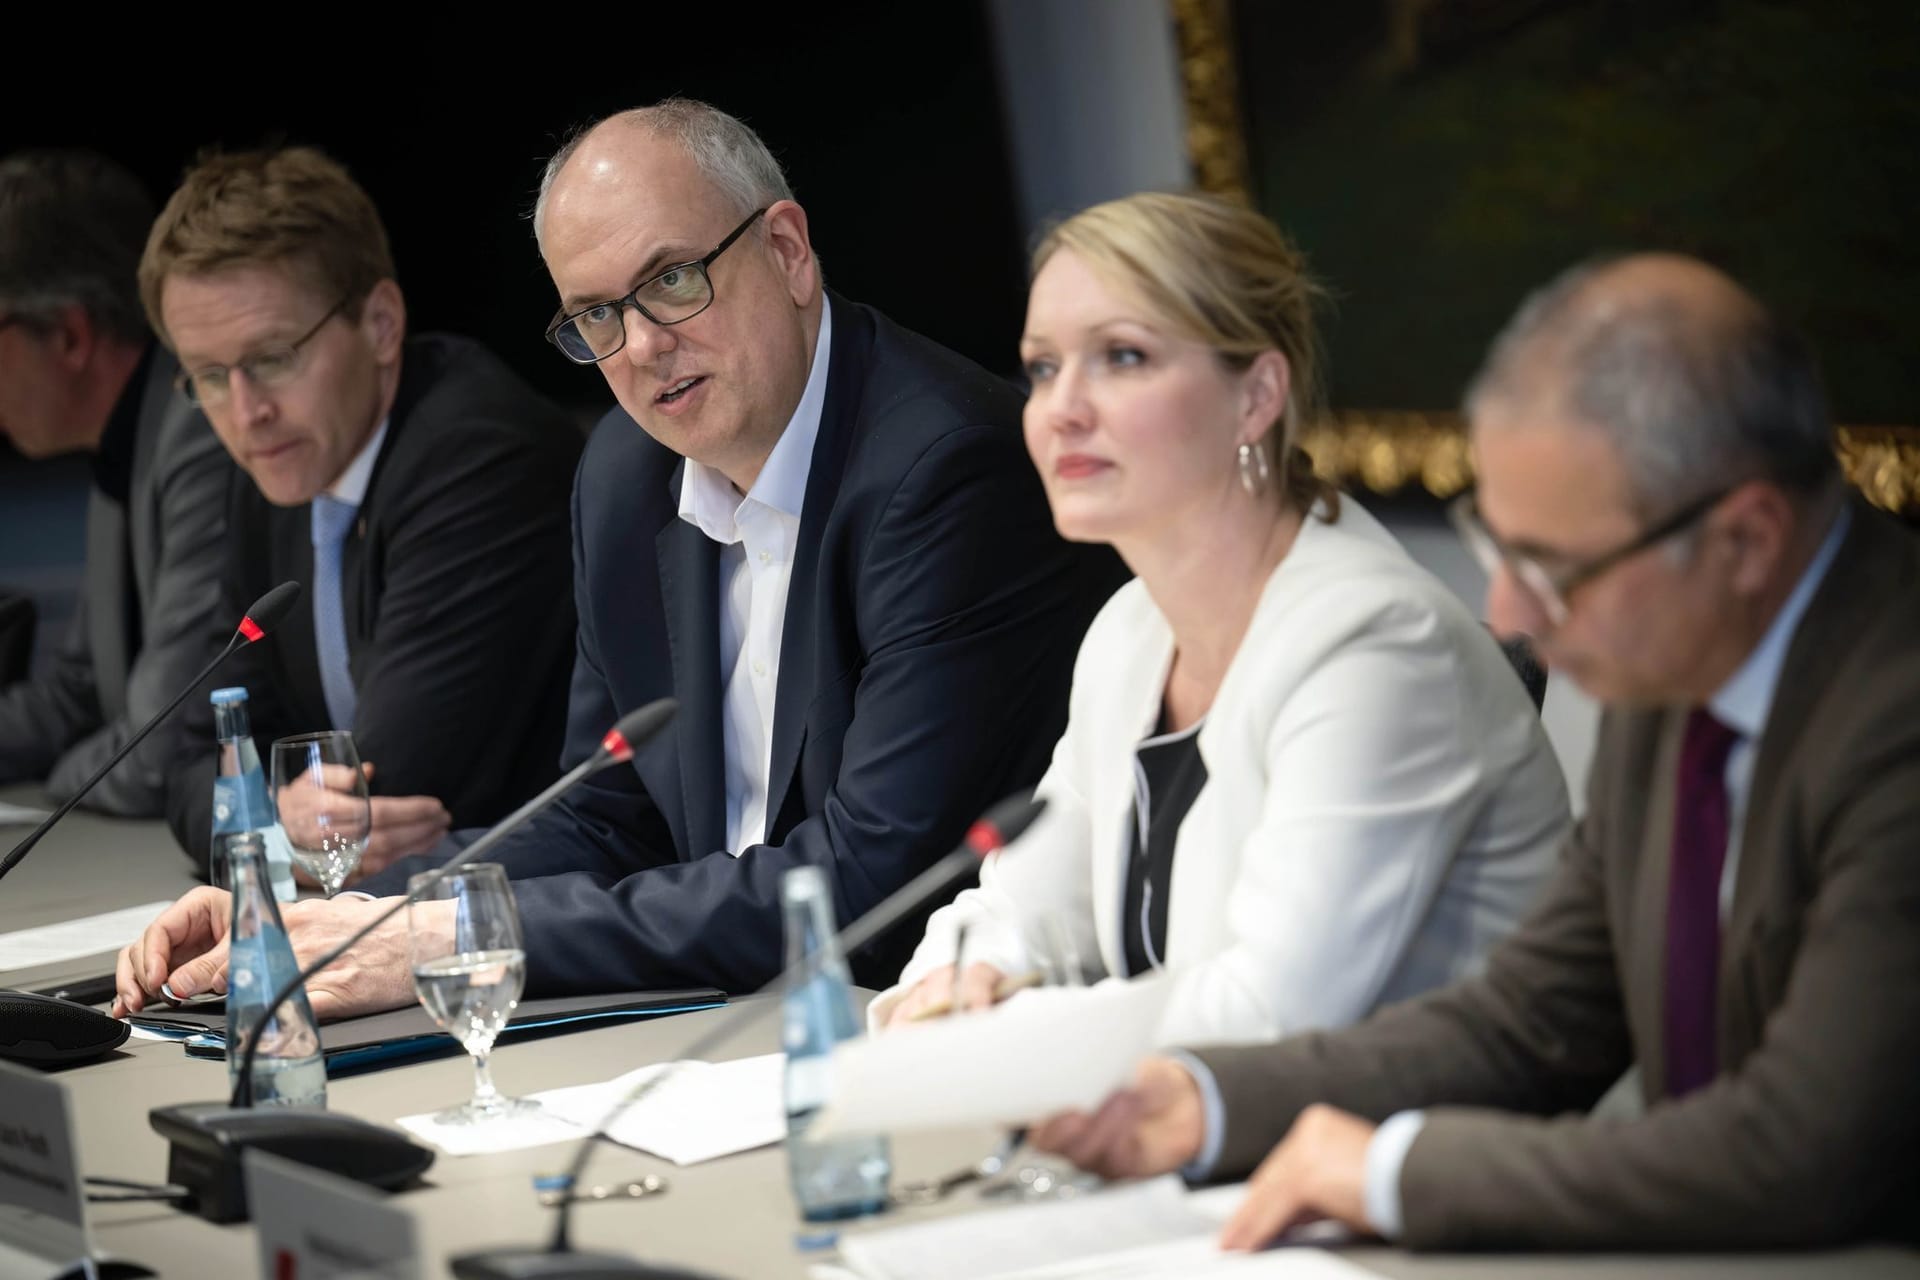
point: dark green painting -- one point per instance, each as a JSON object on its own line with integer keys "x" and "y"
{"x": 1438, "y": 158}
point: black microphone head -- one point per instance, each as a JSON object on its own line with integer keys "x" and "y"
{"x": 267, "y": 612}
{"x": 1004, "y": 823}
{"x": 637, "y": 728}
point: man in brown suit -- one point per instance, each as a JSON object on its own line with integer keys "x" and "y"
{"x": 1738, "y": 913}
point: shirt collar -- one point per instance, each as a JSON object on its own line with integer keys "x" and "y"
{"x": 1742, "y": 703}
{"x": 351, "y": 487}
{"x": 708, "y": 500}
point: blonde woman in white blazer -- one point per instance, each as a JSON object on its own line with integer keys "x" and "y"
{"x": 1355, "y": 795}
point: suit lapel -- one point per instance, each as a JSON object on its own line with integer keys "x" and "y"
{"x": 1842, "y": 604}
{"x": 109, "y": 628}
{"x": 290, "y": 539}
{"x": 798, "y": 678}
{"x": 690, "y": 593}
{"x": 158, "y": 407}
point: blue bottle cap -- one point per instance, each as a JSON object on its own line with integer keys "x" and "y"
{"x": 551, "y": 1182}
{"x": 227, "y": 697}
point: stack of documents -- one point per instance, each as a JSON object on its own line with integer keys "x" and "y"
{"x": 1154, "y": 1230}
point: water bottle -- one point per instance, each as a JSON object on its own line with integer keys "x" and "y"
{"x": 837, "y": 1178}
{"x": 240, "y": 803}
{"x": 288, "y": 1069}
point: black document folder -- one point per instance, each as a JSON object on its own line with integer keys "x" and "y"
{"x": 406, "y": 1035}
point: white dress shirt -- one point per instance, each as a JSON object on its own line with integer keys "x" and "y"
{"x": 1742, "y": 704}
{"x": 758, "y": 535}
{"x": 351, "y": 485}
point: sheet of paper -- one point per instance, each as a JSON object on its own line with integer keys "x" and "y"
{"x": 20, "y": 815}
{"x": 54, "y": 943}
{"x": 707, "y": 1110}
{"x": 1041, "y": 1052}
{"x": 1154, "y": 1230}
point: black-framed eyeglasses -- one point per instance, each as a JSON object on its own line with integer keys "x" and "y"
{"x": 210, "y": 385}
{"x": 669, "y": 297}
{"x": 1552, "y": 587}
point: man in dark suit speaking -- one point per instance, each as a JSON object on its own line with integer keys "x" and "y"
{"x": 413, "y": 484}
{"x": 1737, "y": 914}
{"x": 818, "y": 531}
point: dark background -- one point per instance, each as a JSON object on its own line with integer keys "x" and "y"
{"x": 885, "y": 115}
{"x": 1438, "y": 160}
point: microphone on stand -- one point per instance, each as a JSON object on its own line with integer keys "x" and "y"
{"x": 1002, "y": 825}
{"x": 206, "y": 1139}
{"x": 45, "y": 1030}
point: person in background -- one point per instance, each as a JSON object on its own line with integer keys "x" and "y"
{"x": 80, "y": 372}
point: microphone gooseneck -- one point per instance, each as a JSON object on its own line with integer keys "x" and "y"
{"x": 617, "y": 747}
{"x": 1000, "y": 827}
{"x": 265, "y": 614}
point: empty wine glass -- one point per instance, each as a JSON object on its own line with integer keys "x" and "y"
{"x": 320, "y": 795}
{"x": 469, "y": 965}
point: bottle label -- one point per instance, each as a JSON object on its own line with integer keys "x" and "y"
{"x": 240, "y": 803}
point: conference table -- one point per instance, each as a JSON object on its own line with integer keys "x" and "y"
{"x": 731, "y": 1217}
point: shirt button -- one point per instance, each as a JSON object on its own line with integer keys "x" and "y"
{"x": 760, "y": 669}
{"x": 765, "y": 556}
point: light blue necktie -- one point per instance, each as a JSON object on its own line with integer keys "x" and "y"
{"x": 331, "y": 520}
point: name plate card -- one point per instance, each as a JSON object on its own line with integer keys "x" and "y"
{"x": 43, "y": 1206}
{"x": 317, "y": 1226}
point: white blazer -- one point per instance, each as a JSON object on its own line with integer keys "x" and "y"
{"x": 1381, "y": 803}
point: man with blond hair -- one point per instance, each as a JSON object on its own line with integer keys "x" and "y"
{"x": 413, "y": 484}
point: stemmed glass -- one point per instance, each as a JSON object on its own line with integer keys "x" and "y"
{"x": 1041, "y": 1178}
{"x": 1059, "y": 965}
{"x": 320, "y": 795}
{"x": 469, "y": 966}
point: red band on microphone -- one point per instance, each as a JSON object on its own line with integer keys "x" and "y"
{"x": 983, "y": 838}
{"x": 615, "y": 745}
{"x": 251, "y": 631}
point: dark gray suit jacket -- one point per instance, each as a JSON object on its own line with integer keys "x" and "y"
{"x": 1810, "y": 1134}
{"x": 145, "y": 623}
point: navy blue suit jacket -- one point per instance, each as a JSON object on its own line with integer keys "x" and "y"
{"x": 932, "y": 621}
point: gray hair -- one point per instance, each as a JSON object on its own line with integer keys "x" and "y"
{"x": 72, "y": 227}
{"x": 725, "y": 150}
{"x": 1689, "y": 406}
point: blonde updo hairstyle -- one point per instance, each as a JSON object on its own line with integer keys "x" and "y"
{"x": 1223, "y": 276}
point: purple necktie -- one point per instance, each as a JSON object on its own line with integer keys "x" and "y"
{"x": 1693, "y": 902}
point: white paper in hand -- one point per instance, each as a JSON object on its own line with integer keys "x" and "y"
{"x": 1044, "y": 1051}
